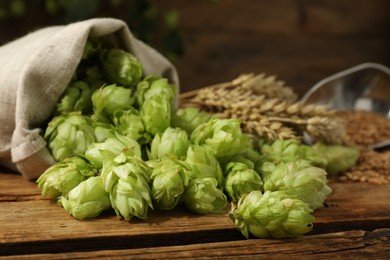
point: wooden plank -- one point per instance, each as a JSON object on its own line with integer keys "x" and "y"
{"x": 354, "y": 244}
{"x": 301, "y": 61}
{"x": 350, "y": 206}
{"x": 15, "y": 188}
{"x": 285, "y": 16}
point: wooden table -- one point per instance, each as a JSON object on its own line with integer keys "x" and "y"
{"x": 355, "y": 224}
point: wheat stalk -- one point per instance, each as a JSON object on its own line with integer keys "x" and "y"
{"x": 252, "y": 99}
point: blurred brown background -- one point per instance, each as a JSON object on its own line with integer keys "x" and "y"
{"x": 300, "y": 41}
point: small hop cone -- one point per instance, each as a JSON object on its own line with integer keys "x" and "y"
{"x": 155, "y": 114}
{"x": 272, "y": 214}
{"x": 189, "y": 118}
{"x": 173, "y": 142}
{"x": 69, "y": 135}
{"x": 241, "y": 180}
{"x": 154, "y": 85}
{"x": 203, "y": 164}
{"x": 60, "y": 178}
{"x": 86, "y": 200}
{"x": 168, "y": 182}
{"x": 300, "y": 180}
{"x": 77, "y": 97}
{"x": 100, "y": 153}
{"x": 203, "y": 196}
{"x": 109, "y": 99}
{"x": 281, "y": 151}
{"x": 222, "y": 136}
{"x": 121, "y": 67}
{"x": 128, "y": 122}
{"x": 126, "y": 179}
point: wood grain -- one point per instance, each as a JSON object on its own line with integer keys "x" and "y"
{"x": 32, "y": 225}
{"x": 301, "y": 41}
{"x": 353, "y": 244}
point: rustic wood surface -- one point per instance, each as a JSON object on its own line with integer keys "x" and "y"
{"x": 300, "y": 41}
{"x": 355, "y": 223}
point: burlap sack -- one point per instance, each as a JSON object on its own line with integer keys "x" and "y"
{"x": 36, "y": 69}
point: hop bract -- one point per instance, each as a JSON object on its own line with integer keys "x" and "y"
{"x": 129, "y": 123}
{"x": 301, "y": 180}
{"x": 189, "y": 118}
{"x": 339, "y": 158}
{"x": 69, "y": 135}
{"x": 126, "y": 179}
{"x": 223, "y": 136}
{"x": 62, "y": 177}
{"x": 241, "y": 180}
{"x": 155, "y": 113}
{"x": 281, "y": 151}
{"x": 86, "y": 200}
{"x": 154, "y": 85}
{"x": 272, "y": 214}
{"x": 103, "y": 131}
{"x": 203, "y": 196}
{"x": 77, "y": 97}
{"x": 101, "y": 153}
{"x": 121, "y": 67}
{"x": 250, "y": 157}
{"x": 290, "y": 151}
{"x": 173, "y": 142}
{"x": 169, "y": 180}
{"x": 203, "y": 164}
{"x": 109, "y": 99}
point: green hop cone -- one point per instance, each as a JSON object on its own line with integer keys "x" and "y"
{"x": 290, "y": 151}
{"x": 203, "y": 196}
{"x": 339, "y": 158}
{"x": 189, "y": 118}
{"x": 109, "y": 99}
{"x": 103, "y": 131}
{"x": 121, "y": 67}
{"x": 129, "y": 123}
{"x": 266, "y": 169}
{"x": 77, "y": 97}
{"x": 223, "y": 136}
{"x": 86, "y": 200}
{"x": 100, "y": 153}
{"x": 69, "y": 135}
{"x": 203, "y": 164}
{"x": 281, "y": 151}
{"x": 168, "y": 182}
{"x": 155, "y": 113}
{"x": 62, "y": 177}
{"x": 173, "y": 142}
{"x": 272, "y": 214}
{"x": 126, "y": 178}
{"x": 250, "y": 157}
{"x": 154, "y": 85}
{"x": 241, "y": 180}
{"x": 301, "y": 180}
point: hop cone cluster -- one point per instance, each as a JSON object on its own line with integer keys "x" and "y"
{"x": 86, "y": 200}
{"x": 121, "y": 143}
